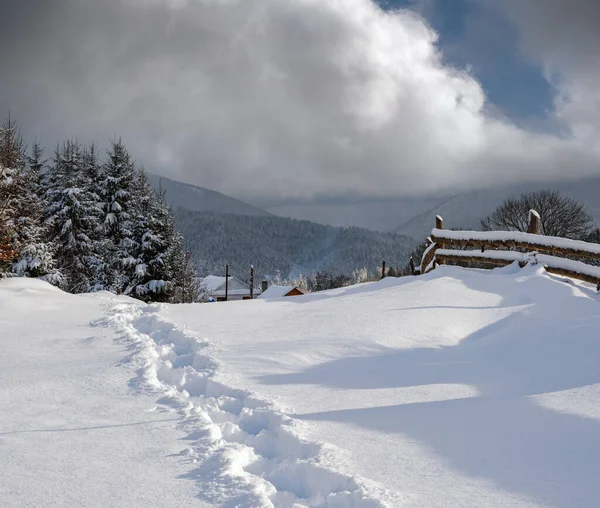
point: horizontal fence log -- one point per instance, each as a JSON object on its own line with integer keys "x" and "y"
{"x": 451, "y": 258}
{"x": 516, "y": 240}
{"x": 574, "y": 275}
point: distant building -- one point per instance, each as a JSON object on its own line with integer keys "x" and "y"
{"x": 215, "y": 288}
{"x": 274, "y": 292}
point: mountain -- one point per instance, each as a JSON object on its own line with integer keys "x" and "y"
{"x": 192, "y": 197}
{"x": 378, "y": 215}
{"x": 465, "y": 210}
{"x": 280, "y": 244}
{"x": 414, "y": 216}
{"x": 411, "y": 217}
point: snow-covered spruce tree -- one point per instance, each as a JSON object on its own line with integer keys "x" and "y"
{"x": 116, "y": 195}
{"x": 7, "y": 247}
{"x": 23, "y": 233}
{"x": 35, "y": 256}
{"x": 74, "y": 220}
{"x": 104, "y": 273}
{"x": 150, "y": 236}
{"x": 91, "y": 167}
{"x": 11, "y": 155}
{"x": 163, "y": 271}
{"x": 38, "y": 169}
{"x": 12, "y": 147}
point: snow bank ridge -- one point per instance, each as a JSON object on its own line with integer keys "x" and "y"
{"x": 245, "y": 452}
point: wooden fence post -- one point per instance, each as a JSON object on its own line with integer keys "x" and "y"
{"x": 534, "y": 223}
{"x": 439, "y": 224}
{"x": 251, "y": 282}
{"x": 226, "y": 282}
{"x": 383, "y": 269}
{"x": 427, "y": 255}
{"x": 412, "y": 266}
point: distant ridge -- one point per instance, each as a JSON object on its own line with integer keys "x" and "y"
{"x": 465, "y": 210}
{"x": 199, "y": 199}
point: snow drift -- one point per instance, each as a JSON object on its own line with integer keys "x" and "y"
{"x": 457, "y": 388}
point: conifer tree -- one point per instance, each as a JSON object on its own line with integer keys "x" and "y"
{"x": 162, "y": 248}
{"x": 7, "y": 247}
{"x": 104, "y": 274}
{"x": 150, "y": 242}
{"x": 164, "y": 272}
{"x": 23, "y": 233}
{"x": 11, "y": 162}
{"x": 74, "y": 217}
{"x": 91, "y": 167}
{"x": 187, "y": 286}
{"x": 35, "y": 255}
{"x": 12, "y": 147}
{"x": 116, "y": 194}
{"x": 37, "y": 169}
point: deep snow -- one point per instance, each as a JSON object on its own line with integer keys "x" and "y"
{"x": 71, "y": 433}
{"x": 460, "y": 388}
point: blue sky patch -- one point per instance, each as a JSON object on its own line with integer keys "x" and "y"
{"x": 475, "y": 37}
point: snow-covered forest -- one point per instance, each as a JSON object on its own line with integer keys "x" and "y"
{"x": 291, "y": 247}
{"x": 88, "y": 223}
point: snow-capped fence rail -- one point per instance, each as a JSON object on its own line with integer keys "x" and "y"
{"x": 499, "y": 248}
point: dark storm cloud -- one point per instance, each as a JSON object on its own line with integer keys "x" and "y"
{"x": 266, "y": 99}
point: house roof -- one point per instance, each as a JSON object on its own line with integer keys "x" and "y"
{"x": 215, "y": 286}
{"x": 278, "y": 291}
{"x": 213, "y": 282}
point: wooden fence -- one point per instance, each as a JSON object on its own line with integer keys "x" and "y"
{"x": 501, "y": 248}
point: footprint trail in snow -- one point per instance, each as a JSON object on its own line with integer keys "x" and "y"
{"x": 244, "y": 452}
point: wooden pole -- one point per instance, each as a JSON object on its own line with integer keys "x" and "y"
{"x": 412, "y": 266}
{"x": 534, "y": 223}
{"x": 439, "y": 224}
{"x": 226, "y": 282}
{"x": 383, "y": 269}
{"x": 251, "y": 282}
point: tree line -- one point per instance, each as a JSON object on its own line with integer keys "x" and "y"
{"x": 87, "y": 224}
{"x": 290, "y": 246}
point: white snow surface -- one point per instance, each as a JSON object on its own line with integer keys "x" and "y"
{"x": 71, "y": 432}
{"x": 459, "y": 388}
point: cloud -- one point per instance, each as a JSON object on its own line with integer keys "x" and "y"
{"x": 270, "y": 99}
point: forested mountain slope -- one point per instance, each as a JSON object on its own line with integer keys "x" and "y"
{"x": 288, "y": 245}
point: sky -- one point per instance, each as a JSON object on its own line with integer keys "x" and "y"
{"x": 471, "y": 36}
{"x": 273, "y": 101}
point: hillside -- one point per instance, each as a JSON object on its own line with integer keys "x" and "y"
{"x": 458, "y": 388}
{"x": 381, "y": 216}
{"x": 290, "y": 246}
{"x": 192, "y": 197}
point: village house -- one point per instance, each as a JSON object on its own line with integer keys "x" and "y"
{"x": 214, "y": 286}
{"x": 274, "y": 292}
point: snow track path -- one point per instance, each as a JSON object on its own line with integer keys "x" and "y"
{"x": 243, "y": 451}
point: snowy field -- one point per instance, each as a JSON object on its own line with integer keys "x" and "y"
{"x": 455, "y": 389}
